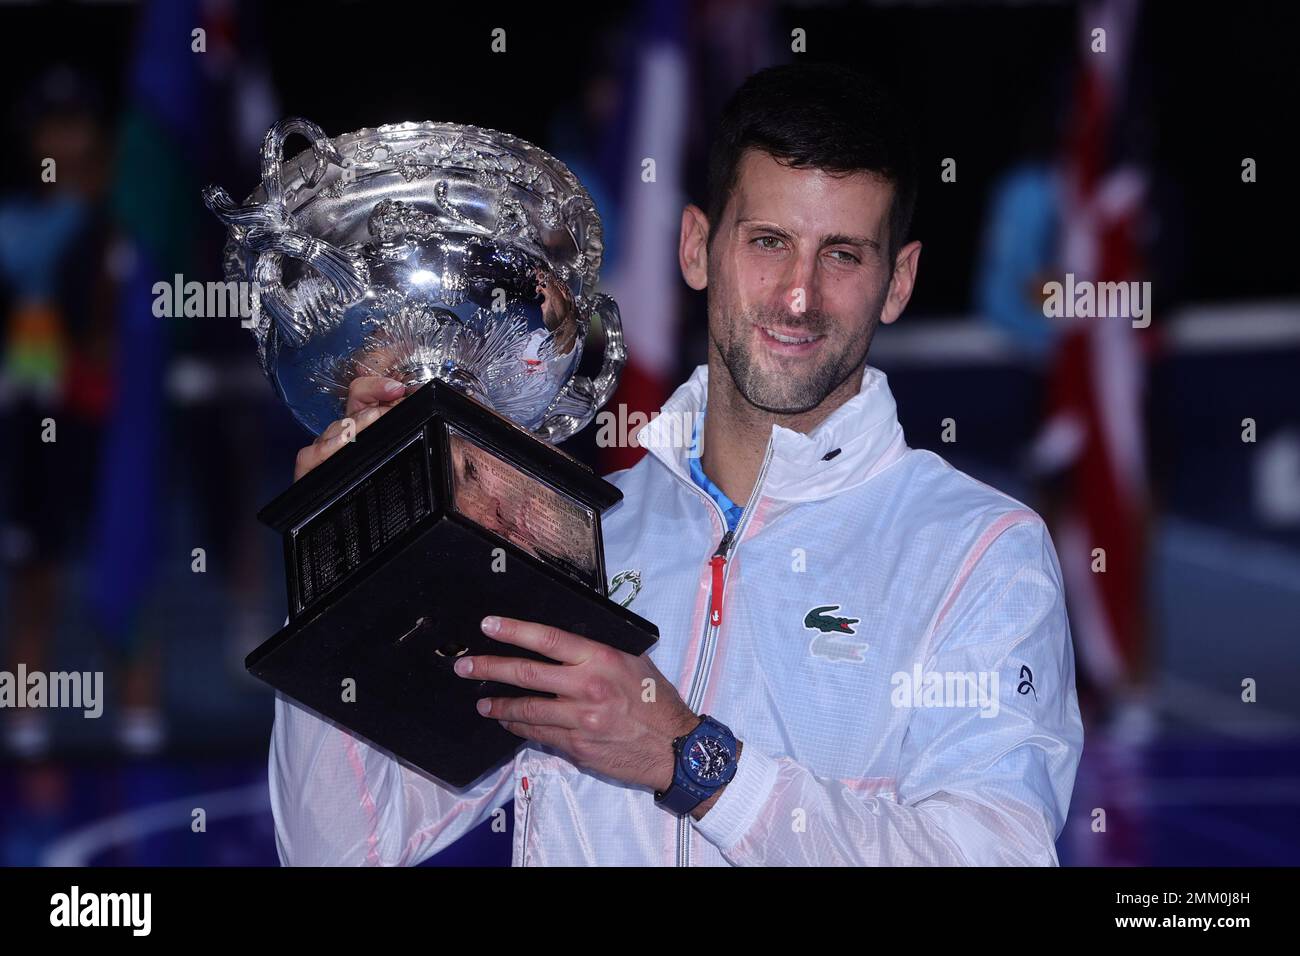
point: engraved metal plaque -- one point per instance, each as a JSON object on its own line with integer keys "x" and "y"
{"x": 523, "y": 509}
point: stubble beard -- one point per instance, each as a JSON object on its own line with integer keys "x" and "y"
{"x": 798, "y": 385}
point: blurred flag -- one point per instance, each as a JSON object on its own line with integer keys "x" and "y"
{"x": 645, "y": 280}
{"x": 1094, "y": 431}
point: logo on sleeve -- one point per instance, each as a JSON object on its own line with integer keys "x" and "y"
{"x": 1026, "y": 682}
{"x": 828, "y": 643}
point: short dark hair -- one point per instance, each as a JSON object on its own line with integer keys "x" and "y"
{"x": 820, "y": 115}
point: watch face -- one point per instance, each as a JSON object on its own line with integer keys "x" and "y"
{"x": 707, "y": 759}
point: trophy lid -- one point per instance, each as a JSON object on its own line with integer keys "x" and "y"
{"x": 438, "y": 176}
{"x": 419, "y": 251}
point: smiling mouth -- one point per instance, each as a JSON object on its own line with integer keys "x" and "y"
{"x": 789, "y": 340}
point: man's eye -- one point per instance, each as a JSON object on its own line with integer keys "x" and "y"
{"x": 848, "y": 256}
{"x": 762, "y": 239}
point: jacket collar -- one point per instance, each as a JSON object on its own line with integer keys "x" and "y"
{"x": 865, "y": 429}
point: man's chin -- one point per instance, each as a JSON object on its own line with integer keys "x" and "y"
{"x": 774, "y": 386}
{"x": 782, "y": 400}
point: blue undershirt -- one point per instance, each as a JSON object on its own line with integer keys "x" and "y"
{"x": 729, "y": 508}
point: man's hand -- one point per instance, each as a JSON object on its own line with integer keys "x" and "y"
{"x": 614, "y": 714}
{"x": 369, "y": 397}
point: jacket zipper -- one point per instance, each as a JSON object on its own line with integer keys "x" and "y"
{"x": 718, "y": 562}
{"x": 528, "y": 812}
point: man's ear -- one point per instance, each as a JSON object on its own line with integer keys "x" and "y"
{"x": 902, "y": 282}
{"x": 693, "y": 248}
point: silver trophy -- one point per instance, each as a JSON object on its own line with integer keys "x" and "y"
{"x": 461, "y": 260}
{"x": 422, "y": 251}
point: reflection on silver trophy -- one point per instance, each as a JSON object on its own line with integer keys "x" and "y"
{"x": 420, "y": 251}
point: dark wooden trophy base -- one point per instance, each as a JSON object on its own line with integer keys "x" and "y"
{"x": 395, "y": 548}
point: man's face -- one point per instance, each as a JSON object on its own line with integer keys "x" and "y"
{"x": 799, "y": 253}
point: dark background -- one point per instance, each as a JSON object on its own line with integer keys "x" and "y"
{"x": 990, "y": 84}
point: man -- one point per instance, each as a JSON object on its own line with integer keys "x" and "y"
{"x": 878, "y": 642}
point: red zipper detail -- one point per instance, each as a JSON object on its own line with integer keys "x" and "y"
{"x": 715, "y": 599}
{"x": 528, "y": 813}
{"x": 719, "y": 563}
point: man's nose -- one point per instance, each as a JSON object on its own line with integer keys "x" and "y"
{"x": 802, "y": 286}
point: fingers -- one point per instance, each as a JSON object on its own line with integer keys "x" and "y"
{"x": 368, "y": 416}
{"x": 548, "y": 641}
{"x": 369, "y": 397}
{"x": 311, "y": 456}
{"x": 370, "y": 390}
{"x": 335, "y": 437}
{"x": 535, "y": 711}
{"x": 551, "y": 736}
{"x": 519, "y": 672}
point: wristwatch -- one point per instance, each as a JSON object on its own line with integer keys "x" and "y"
{"x": 705, "y": 761}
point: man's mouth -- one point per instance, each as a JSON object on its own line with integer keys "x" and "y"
{"x": 789, "y": 341}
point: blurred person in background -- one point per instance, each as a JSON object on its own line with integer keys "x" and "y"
{"x": 57, "y": 329}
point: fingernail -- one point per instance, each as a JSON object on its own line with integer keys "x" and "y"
{"x": 491, "y": 624}
{"x": 393, "y": 387}
{"x": 484, "y": 705}
{"x": 464, "y": 666}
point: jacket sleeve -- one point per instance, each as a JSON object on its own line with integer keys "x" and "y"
{"x": 337, "y": 801}
{"x": 977, "y": 785}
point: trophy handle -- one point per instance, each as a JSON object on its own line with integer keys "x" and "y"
{"x": 582, "y": 396}
{"x": 266, "y": 228}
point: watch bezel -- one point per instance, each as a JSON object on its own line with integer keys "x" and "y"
{"x": 698, "y": 740}
{"x": 690, "y": 782}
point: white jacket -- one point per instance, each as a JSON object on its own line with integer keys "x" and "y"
{"x": 857, "y": 746}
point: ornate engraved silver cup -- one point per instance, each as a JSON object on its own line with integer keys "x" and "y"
{"x": 420, "y": 251}
{"x": 462, "y": 260}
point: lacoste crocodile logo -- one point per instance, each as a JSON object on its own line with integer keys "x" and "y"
{"x": 828, "y": 642}
{"x": 828, "y": 624}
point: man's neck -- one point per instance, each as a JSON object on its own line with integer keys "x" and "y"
{"x": 736, "y": 433}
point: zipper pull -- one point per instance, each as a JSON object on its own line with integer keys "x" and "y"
{"x": 718, "y": 562}
{"x": 528, "y": 816}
